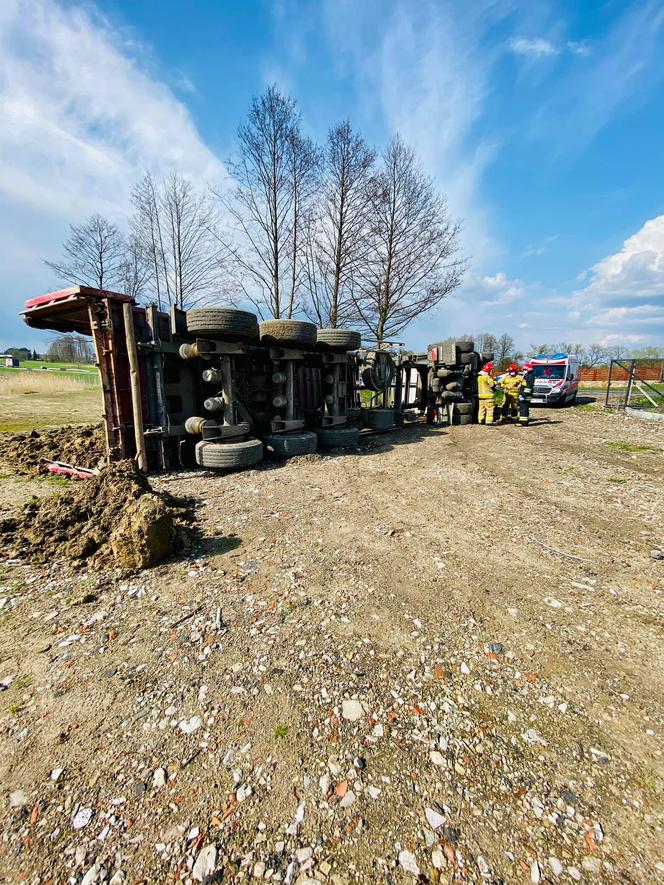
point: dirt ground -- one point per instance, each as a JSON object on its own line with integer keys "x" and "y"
{"x": 437, "y": 658}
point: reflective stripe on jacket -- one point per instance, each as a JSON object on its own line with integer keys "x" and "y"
{"x": 485, "y": 386}
{"x": 512, "y": 384}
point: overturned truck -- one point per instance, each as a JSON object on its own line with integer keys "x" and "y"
{"x": 213, "y": 387}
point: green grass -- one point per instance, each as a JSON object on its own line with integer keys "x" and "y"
{"x": 37, "y": 364}
{"x": 281, "y": 731}
{"x": 617, "y": 479}
{"x": 629, "y": 447}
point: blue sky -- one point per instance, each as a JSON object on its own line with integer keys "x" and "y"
{"x": 542, "y": 122}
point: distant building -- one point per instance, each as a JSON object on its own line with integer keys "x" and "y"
{"x": 9, "y": 361}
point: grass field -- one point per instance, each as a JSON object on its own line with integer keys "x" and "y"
{"x": 35, "y": 400}
{"x": 52, "y": 367}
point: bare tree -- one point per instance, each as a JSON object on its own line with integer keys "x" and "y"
{"x": 260, "y": 245}
{"x": 504, "y": 349}
{"x": 539, "y": 349}
{"x": 484, "y": 342}
{"x": 92, "y": 255}
{"x": 174, "y": 229}
{"x": 338, "y": 240}
{"x": 616, "y": 352}
{"x": 413, "y": 263}
{"x": 594, "y": 355}
{"x": 71, "y": 349}
{"x": 135, "y": 269}
{"x": 304, "y": 160}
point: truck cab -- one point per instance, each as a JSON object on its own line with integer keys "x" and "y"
{"x": 556, "y": 379}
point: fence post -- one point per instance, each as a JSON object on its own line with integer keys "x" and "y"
{"x": 608, "y": 384}
{"x": 630, "y": 383}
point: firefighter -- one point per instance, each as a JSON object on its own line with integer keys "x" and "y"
{"x": 486, "y": 385}
{"x": 526, "y": 393}
{"x": 511, "y": 384}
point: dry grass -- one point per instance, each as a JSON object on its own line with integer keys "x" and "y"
{"x": 44, "y": 383}
{"x": 31, "y": 401}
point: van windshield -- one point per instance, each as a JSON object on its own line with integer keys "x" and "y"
{"x": 553, "y": 372}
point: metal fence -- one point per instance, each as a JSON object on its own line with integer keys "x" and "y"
{"x": 639, "y": 389}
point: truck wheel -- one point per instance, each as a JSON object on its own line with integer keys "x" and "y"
{"x": 333, "y": 437}
{"x": 338, "y": 339}
{"x": 465, "y": 346}
{"x": 466, "y": 359}
{"x": 230, "y": 455}
{"x": 288, "y": 332}
{"x": 222, "y": 322}
{"x": 287, "y": 445}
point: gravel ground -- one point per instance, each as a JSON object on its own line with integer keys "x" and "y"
{"x": 436, "y": 658}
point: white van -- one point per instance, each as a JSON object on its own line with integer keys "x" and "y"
{"x": 556, "y": 379}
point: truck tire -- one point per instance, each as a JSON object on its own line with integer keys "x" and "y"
{"x": 462, "y": 419}
{"x": 288, "y": 332}
{"x": 465, "y": 346}
{"x": 230, "y": 455}
{"x": 333, "y": 437}
{"x": 464, "y": 408}
{"x": 287, "y": 445}
{"x": 466, "y": 359}
{"x": 221, "y": 322}
{"x": 378, "y": 419}
{"x": 338, "y": 339}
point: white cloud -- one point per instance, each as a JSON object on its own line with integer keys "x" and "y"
{"x": 537, "y": 47}
{"x": 81, "y": 117}
{"x": 579, "y": 47}
{"x": 499, "y": 288}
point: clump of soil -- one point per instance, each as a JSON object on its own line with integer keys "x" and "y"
{"x": 79, "y": 446}
{"x": 113, "y": 520}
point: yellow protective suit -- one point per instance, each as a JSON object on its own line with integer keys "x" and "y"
{"x": 485, "y": 390}
{"x": 511, "y": 385}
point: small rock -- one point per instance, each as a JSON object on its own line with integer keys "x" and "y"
{"x": 92, "y": 875}
{"x": 434, "y": 818}
{"x": 657, "y": 554}
{"x": 259, "y": 870}
{"x": 535, "y": 872}
{"x": 465, "y": 669}
{"x": 437, "y": 858}
{"x": 118, "y": 878}
{"x": 495, "y": 647}
{"x": 437, "y": 758}
{"x": 140, "y": 788}
{"x": 324, "y": 783}
{"x": 17, "y": 799}
{"x": 569, "y": 797}
{"x": 360, "y": 763}
{"x": 352, "y": 710}
{"x": 206, "y": 863}
{"x": 303, "y": 854}
{"x": 82, "y": 818}
{"x": 110, "y": 671}
{"x": 243, "y": 792}
{"x": 159, "y": 778}
{"x": 348, "y": 799}
{"x": 556, "y": 866}
{"x": 190, "y": 725}
{"x": 408, "y": 862}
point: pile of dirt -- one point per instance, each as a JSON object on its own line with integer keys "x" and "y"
{"x": 113, "y": 520}
{"x": 79, "y": 446}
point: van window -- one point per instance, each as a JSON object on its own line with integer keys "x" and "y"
{"x": 555, "y": 373}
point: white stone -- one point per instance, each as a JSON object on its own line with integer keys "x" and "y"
{"x": 92, "y": 875}
{"x": 556, "y": 866}
{"x": 324, "y": 784}
{"x": 438, "y": 858}
{"x": 348, "y": 799}
{"x": 17, "y": 799}
{"x": 206, "y": 862}
{"x": 352, "y": 710}
{"x": 82, "y": 818}
{"x": 159, "y": 777}
{"x": 434, "y": 818}
{"x": 535, "y": 873}
{"x": 259, "y": 870}
{"x": 118, "y": 878}
{"x": 465, "y": 669}
{"x": 303, "y": 854}
{"x": 408, "y": 862}
{"x": 437, "y": 758}
{"x": 190, "y": 725}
